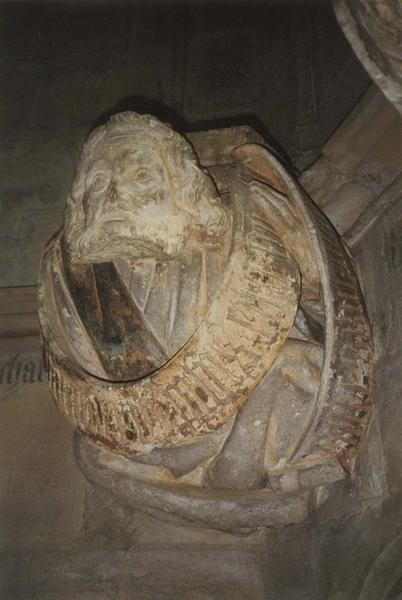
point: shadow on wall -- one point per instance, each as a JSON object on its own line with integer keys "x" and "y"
{"x": 170, "y": 115}
{"x": 284, "y": 68}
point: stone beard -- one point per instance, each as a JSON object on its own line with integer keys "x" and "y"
{"x": 141, "y": 201}
{"x": 193, "y": 319}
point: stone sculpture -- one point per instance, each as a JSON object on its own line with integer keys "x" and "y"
{"x": 203, "y": 329}
{"x": 373, "y": 29}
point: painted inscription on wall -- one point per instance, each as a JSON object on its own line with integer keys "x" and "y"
{"x": 21, "y": 368}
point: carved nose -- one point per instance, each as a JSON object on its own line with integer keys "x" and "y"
{"x": 112, "y": 194}
{"x": 159, "y": 195}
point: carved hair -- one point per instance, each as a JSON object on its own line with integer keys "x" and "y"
{"x": 195, "y": 192}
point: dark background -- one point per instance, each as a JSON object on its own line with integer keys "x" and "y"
{"x": 283, "y": 67}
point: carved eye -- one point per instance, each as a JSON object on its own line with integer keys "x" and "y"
{"x": 100, "y": 181}
{"x": 142, "y": 176}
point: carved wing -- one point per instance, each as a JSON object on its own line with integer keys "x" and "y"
{"x": 270, "y": 194}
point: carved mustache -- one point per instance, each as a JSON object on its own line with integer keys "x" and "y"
{"x": 116, "y": 236}
{"x": 117, "y": 227}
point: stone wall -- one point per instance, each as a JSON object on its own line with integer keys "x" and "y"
{"x": 283, "y": 67}
{"x": 68, "y": 67}
{"x": 62, "y": 540}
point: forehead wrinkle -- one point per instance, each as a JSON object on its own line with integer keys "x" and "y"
{"x": 150, "y": 152}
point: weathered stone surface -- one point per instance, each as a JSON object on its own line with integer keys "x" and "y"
{"x": 123, "y": 553}
{"x": 347, "y": 547}
{"x": 267, "y": 426}
{"x": 227, "y": 510}
{"x": 220, "y": 258}
{"x": 67, "y": 66}
{"x": 221, "y": 326}
{"x": 357, "y": 175}
{"x": 373, "y": 28}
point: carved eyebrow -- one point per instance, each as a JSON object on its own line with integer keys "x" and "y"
{"x": 100, "y": 172}
{"x": 97, "y": 175}
{"x": 100, "y": 166}
{"x": 143, "y": 168}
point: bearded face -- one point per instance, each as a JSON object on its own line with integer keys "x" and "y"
{"x": 135, "y": 206}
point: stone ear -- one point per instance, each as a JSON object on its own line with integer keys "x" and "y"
{"x": 256, "y": 161}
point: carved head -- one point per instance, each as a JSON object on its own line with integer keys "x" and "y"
{"x": 139, "y": 192}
